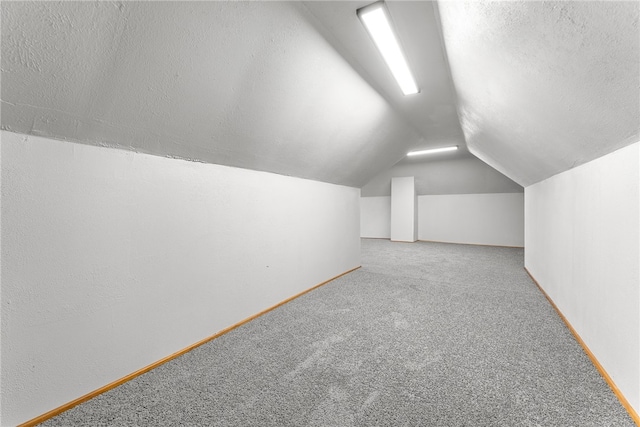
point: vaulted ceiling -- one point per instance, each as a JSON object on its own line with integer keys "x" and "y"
{"x": 297, "y": 88}
{"x": 544, "y": 86}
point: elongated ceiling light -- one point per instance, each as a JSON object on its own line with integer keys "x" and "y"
{"x": 376, "y": 20}
{"x": 432, "y": 151}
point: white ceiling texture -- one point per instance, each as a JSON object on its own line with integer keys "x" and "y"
{"x": 297, "y": 88}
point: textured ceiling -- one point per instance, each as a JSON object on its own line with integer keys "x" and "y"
{"x": 544, "y": 86}
{"x": 248, "y": 84}
{"x": 432, "y": 112}
{"x": 443, "y": 174}
{"x": 297, "y": 88}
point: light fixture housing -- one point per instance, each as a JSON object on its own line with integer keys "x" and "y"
{"x": 376, "y": 20}
{"x": 432, "y": 151}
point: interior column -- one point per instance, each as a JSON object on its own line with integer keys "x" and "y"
{"x": 404, "y": 205}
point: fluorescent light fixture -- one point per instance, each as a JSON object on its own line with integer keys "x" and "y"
{"x": 432, "y": 151}
{"x": 376, "y": 20}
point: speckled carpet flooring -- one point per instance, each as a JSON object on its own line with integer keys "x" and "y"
{"x": 424, "y": 334}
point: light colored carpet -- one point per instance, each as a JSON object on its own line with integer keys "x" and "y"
{"x": 424, "y": 334}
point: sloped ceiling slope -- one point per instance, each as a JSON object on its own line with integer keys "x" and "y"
{"x": 247, "y": 84}
{"x": 433, "y": 111}
{"x": 443, "y": 175}
{"x": 544, "y": 86}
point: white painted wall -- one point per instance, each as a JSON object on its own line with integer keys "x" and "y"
{"x": 375, "y": 217}
{"x": 444, "y": 173}
{"x": 1, "y": 304}
{"x": 403, "y": 209}
{"x": 484, "y": 219}
{"x": 582, "y": 239}
{"x": 112, "y": 260}
{"x": 214, "y": 81}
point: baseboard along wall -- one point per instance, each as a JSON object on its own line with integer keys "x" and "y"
{"x": 623, "y": 400}
{"x": 42, "y": 418}
{"x": 451, "y": 243}
{"x": 37, "y": 420}
{"x": 472, "y": 244}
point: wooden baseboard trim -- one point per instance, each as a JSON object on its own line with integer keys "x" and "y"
{"x": 623, "y": 400}
{"x": 473, "y": 244}
{"x": 440, "y": 241}
{"x": 41, "y": 418}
